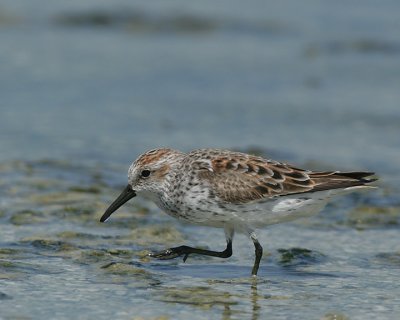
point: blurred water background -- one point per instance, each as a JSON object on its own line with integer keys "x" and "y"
{"x": 86, "y": 86}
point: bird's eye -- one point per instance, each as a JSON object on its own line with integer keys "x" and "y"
{"x": 145, "y": 173}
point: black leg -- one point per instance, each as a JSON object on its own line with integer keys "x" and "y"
{"x": 185, "y": 250}
{"x": 259, "y": 252}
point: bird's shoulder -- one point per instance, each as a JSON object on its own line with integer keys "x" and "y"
{"x": 239, "y": 177}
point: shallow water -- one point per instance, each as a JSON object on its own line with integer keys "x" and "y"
{"x": 89, "y": 86}
{"x": 54, "y": 248}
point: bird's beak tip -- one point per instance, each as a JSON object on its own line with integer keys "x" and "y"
{"x": 125, "y": 196}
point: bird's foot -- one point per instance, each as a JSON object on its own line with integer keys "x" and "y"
{"x": 171, "y": 253}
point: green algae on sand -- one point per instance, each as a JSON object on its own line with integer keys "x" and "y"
{"x": 299, "y": 256}
{"x": 368, "y": 217}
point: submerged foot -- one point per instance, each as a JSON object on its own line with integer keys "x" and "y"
{"x": 171, "y": 253}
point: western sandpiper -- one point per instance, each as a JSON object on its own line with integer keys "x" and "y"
{"x": 231, "y": 190}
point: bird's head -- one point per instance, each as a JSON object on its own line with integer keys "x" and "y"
{"x": 147, "y": 175}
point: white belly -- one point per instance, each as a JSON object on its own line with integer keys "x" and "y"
{"x": 256, "y": 214}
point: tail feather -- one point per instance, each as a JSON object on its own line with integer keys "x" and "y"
{"x": 339, "y": 180}
{"x": 357, "y": 175}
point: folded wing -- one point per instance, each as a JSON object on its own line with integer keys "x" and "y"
{"x": 239, "y": 178}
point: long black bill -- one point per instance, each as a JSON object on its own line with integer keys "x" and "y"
{"x": 126, "y": 195}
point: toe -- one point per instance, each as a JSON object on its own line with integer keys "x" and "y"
{"x": 164, "y": 255}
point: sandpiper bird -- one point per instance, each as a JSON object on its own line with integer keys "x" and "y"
{"x": 231, "y": 190}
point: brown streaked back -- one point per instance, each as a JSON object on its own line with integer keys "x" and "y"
{"x": 239, "y": 178}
